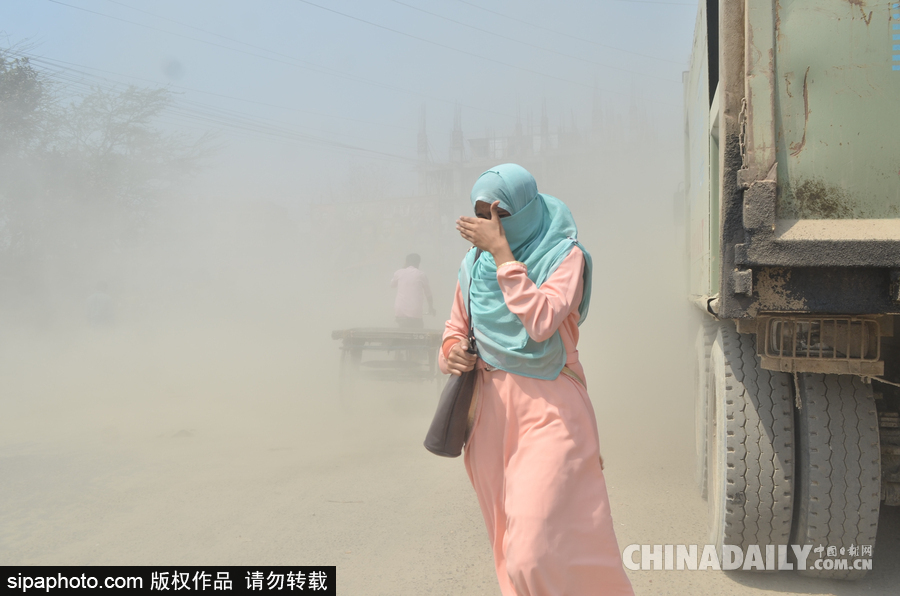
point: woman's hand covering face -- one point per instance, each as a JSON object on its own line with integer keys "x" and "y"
{"x": 487, "y": 234}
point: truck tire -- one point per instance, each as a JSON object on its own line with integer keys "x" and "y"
{"x": 706, "y": 334}
{"x": 838, "y": 486}
{"x": 751, "y": 446}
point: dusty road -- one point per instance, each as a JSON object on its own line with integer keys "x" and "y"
{"x": 217, "y": 437}
{"x": 164, "y": 460}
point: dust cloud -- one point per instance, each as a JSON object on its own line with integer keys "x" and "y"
{"x": 186, "y": 218}
{"x": 194, "y": 415}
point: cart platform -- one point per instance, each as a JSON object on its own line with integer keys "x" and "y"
{"x": 390, "y": 354}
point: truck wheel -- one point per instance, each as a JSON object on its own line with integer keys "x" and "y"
{"x": 705, "y": 337}
{"x": 838, "y": 485}
{"x": 751, "y": 451}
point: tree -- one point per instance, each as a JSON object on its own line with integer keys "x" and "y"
{"x": 114, "y": 166}
{"x": 23, "y": 114}
{"x": 82, "y": 176}
{"x": 22, "y": 106}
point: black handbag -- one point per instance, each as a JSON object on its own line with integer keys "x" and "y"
{"x": 447, "y": 433}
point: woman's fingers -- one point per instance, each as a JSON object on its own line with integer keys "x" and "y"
{"x": 471, "y": 223}
{"x": 473, "y": 230}
{"x": 466, "y": 228}
{"x": 461, "y": 352}
{"x": 468, "y": 236}
{"x": 460, "y": 361}
{"x": 458, "y": 370}
{"x": 486, "y": 234}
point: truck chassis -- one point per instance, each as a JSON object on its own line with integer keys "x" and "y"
{"x": 794, "y": 265}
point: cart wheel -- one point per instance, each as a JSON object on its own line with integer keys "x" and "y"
{"x": 349, "y": 371}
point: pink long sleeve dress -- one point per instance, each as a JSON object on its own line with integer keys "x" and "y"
{"x": 533, "y": 455}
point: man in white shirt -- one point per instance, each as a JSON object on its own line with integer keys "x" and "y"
{"x": 412, "y": 286}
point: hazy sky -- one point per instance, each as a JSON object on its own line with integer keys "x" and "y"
{"x": 298, "y": 91}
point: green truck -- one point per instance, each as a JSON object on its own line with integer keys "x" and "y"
{"x": 792, "y": 185}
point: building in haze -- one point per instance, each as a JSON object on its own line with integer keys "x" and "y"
{"x": 373, "y": 235}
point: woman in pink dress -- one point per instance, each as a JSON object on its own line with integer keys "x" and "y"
{"x": 533, "y": 452}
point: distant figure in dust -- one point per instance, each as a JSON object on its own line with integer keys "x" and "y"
{"x": 533, "y": 453}
{"x": 99, "y": 307}
{"x": 412, "y": 286}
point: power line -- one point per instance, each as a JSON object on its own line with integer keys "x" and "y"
{"x": 324, "y": 70}
{"x": 197, "y": 112}
{"x": 451, "y": 48}
{"x": 297, "y": 63}
{"x": 498, "y": 35}
{"x": 569, "y": 35}
{"x": 223, "y": 96}
{"x": 54, "y": 63}
{"x": 293, "y": 61}
{"x": 694, "y": 4}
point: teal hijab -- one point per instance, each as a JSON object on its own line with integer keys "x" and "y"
{"x": 541, "y": 233}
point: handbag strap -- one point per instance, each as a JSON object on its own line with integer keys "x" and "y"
{"x": 472, "y": 349}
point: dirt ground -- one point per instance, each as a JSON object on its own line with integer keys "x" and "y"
{"x": 142, "y": 446}
{"x": 213, "y": 433}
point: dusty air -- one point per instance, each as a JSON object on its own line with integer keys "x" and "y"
{"x": 466, "y": 297}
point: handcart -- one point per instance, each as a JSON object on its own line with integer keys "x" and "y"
{"x": 387, "y": 354}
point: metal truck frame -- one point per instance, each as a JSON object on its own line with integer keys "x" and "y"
{"x": 792, "y": 185}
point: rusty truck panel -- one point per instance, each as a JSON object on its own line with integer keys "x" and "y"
{"x": 803, "y": 156}
{"x": 790, "y": 109}
{"x": 837, "y": 87}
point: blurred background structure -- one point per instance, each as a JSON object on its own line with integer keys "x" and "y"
{"x": 243, "y": 178}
